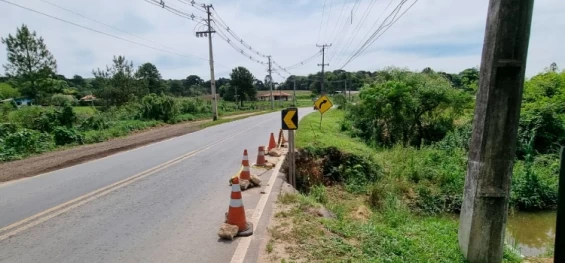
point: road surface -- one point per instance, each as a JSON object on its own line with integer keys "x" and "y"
{"x": 163, "y": 202}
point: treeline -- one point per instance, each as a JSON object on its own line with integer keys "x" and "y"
{"x": 31, "y": 72}
{"x": 423, "y": 123}
{"x": 341, "y": 80}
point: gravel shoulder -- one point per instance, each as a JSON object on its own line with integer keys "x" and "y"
{"x": 59, "y": 159}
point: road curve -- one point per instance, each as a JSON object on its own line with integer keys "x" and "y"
{"x": 162, "y": 202}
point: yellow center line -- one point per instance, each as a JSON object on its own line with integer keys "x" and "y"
{"x": 41, "y": 217}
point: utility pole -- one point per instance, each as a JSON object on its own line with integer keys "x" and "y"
{"x": 324, "y": 46}
{"x": 208, "y": 33}
{"x": 271, "y": 83}
{"x": 493, "y": 143}
{"x": 294, "y": 92}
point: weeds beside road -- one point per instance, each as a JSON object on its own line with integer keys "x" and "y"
{"x": 400, "y": 213}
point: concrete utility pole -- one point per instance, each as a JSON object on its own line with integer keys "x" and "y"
{"x": 208, "y": 33}
{"x": 271, "y": 83}
{"x": 324, "y": 46}
{"x": 493, "y": 143}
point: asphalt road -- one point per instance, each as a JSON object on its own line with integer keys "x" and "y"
{"x": 159, "y": 203}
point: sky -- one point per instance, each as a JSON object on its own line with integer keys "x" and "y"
{"x": 446, "y": 35}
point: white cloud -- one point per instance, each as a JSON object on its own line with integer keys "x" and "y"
{"x": 288, "y": 30}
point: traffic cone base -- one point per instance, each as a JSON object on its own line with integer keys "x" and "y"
{"x": 236, "y": 211}
{"x": 247, "y": 232}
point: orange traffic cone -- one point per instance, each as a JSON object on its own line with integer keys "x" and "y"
{"x": 236, "y": 211}
{"x": 245, "y": 173}
{"x": 272, "y": 143}
{"x": 261, "y": 156}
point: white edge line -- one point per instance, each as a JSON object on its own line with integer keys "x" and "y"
{"x": 243, "y": 246}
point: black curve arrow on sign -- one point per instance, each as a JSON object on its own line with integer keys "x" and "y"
{"x": 322, "y": 103}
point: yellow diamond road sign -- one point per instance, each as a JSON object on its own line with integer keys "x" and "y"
{"x": 323, "y": 104}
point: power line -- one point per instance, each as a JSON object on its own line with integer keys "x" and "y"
{"x": 328, "y": 22}
{"x": 305, "y": 61}
{"x": 321, "y": 21}
{"x": 341, "y": 35}
{"x": 193, "y": 4}
{"x": 220, "y": 22}
{"x": 223, "y": 36}
{"x": 113, "y": 27}
{"x": 356, "y": 30}
{"x": 99, "y": 32}
{"x": 173, "y": 10}
{"x": 381, "y": 30}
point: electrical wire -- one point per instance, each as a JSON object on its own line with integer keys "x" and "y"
{"x": 100, "y": 32}
{"x": 224, "y": 36}
{"x": 220, "y": 22}
{"x": 175, "y": 11}
{"x": 381, "y": 30}
{"x": 341, "y": 35}
{"x": 113, "y": 27}
{"x": 328, "y": 22}
{"x": 321, "y": 21}
{"x": 356, "y": 30}
{"x": 198, "y": 6}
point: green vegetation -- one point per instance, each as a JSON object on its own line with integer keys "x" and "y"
{"x": 117, "y": 100}
{"x": 391, "y": 168}
{"x": 392, "y": 215}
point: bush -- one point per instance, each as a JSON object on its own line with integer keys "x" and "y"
{"x": 26, "y": 116}
{"x": 6, "y": 129}
{"x": 154, "y": 107}
{"x": 408, "y": 108}
{"x": 95, "y": 122}
{"x": 25, "y": 142}
{"x": 194, "y": 106}
{"x": 64, "y": 136}
{"x": 61, "y": 99}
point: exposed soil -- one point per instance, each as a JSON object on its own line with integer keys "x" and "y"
{"x": 51, "y": 161}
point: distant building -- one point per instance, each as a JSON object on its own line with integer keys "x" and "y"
{"x": 277, "y": 95}
{"x": 88, "y": 98}
{"x": 20, "y": 102}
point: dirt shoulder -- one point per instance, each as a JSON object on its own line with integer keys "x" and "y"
{"x": 51, "y": 161}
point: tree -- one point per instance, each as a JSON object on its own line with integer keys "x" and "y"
{"x": 553, "y": 67}
{"x": 176, "y": 88}
{"x": 6, "y": 91}
{"x": 78, "y": 82}
{"x": 29, "y": 61}
{"x": 408, "y": 108}
{"x": 117, "y": 83}
{"x": 150, "y": 78}
{"x": 242, "y": 79}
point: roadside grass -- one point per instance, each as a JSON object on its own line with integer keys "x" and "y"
{"x": 329, "y": 135}
{"x": 398, "y": 217}
{"x": 118, "y": 129}
{"x": 356, "y": 233}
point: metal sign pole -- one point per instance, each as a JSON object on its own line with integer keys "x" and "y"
{"x": 292, "y": 158}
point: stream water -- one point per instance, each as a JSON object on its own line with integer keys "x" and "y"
{"x": 532, "y": 233}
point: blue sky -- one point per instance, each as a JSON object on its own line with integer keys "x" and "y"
{"x": 445, "y": 35}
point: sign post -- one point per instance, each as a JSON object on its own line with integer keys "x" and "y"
{"x": 289, "y": 118}
{"x": 323, "y": 104}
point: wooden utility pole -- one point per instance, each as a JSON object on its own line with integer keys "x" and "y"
{"x": 324, "y": 46}
{"x": 208, "y": 33}
{"x": 271, "y": 82}
{"x": 493, "y": 143}
{"x": 559, "y": 254}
